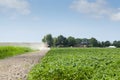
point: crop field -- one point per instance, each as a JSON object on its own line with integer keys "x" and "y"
{"x": 78, "y": 64}
{"x": 7, "y": 51}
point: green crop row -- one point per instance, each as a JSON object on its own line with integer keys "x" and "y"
{"x": 78, "y": 64}
{"x": 7, "y": 51}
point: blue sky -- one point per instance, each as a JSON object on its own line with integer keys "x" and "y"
{"x": 30, "y": 20}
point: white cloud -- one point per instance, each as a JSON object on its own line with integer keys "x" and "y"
{"x": 36, "y": 18}
{"x": 97, "y": 8}
{"x": 17, "y": 6}
{"x": 116, "y": 17}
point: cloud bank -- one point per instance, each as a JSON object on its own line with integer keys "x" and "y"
{"x": 18, "y": 6}
{"x": 97, "y": 8}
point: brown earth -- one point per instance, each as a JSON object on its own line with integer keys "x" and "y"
{"x": 17, "y": 68}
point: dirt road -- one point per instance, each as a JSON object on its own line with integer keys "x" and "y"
{"x": 17, "y": 68}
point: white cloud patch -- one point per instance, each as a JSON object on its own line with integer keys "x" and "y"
{"x": 97, "y": 9}
{"x": 116, "y": 16}
{"x": 36, "y": 18}
{"x": 17, "y": 6}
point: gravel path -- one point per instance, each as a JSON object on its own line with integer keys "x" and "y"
{"x": 17, "y": 68}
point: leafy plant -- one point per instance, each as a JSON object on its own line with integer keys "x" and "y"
{"x": 7, "y": 51}
{"x": 78, "y": 64}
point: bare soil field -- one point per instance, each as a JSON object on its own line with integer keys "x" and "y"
{"x": 17, "y": 68}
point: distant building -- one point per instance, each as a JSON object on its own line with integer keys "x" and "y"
{"x": 111, "y": 47}
{"x": 84, "y": 43}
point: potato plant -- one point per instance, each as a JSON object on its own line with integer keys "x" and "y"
{"x": 78, "y": 64}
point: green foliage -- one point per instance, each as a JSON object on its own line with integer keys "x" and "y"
{"x": 78, "y": 41}
{"x": 107, "y": 43}
{"x": 61, "y": 41}
{"x": 48, "y": 39}
{"x": 94, "y": 42}
{"x": 7, "y": 51}
{"x": 71, "y": 41}
{"x": 116, "y": 43}
{"x": 78, "y": 64}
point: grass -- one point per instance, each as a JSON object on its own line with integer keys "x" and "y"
{"x": 7, "y": 51}
{"x": 78, "y": 64}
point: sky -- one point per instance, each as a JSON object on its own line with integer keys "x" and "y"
{"x": 31, "y": 20}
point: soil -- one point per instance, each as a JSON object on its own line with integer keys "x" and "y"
{"x": 17, "y": 68}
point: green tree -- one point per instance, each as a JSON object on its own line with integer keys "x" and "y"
{"x": 61, "y": 41}
{"x": 116, "y": 43}
{"x": 78, "y": 42}
{"x": 103, "y": 44}
{"x": 107, "y": 43}
{"x": 55, "y": 41}
{"x": 99, "y": 44}
{"x": 48, "y": 39}
{"x": 93, "y": 42}
{"x": 71, "y": 41}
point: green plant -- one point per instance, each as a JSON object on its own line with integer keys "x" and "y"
{"x": 78, "y": 64}
{"x": 7, "y": 51}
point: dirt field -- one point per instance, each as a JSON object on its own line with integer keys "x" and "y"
{"x": 17, "y": 68}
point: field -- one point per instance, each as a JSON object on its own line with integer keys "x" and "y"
{"x": 78, "y": 64}
{"x": 7, "y": 51}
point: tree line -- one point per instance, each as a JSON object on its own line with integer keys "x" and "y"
{"x": 62, "y": 41}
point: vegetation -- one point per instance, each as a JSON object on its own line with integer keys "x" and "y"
{"x": 78, "y": 64}
{"x": 62, "y": 41}
{"x": 7, "y": 51}
{"x": 48, "y": 38}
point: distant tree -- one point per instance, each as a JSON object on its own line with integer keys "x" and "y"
{"x": 61, "y": 41}
{"x": 48, "y": 39}
{"x": 55, "y": 41}
{"x": 78, "y": 41}
{"x": 65, "y": 42}
{"x": 100, "y": 44}
{"x": 93, "y": 42}
{"x": 116, "y": 43}
{"x": 107, "y": 43}
{"x": 71, "y": 41}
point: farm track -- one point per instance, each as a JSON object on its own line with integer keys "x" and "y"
{"x": 17, "y": 68}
